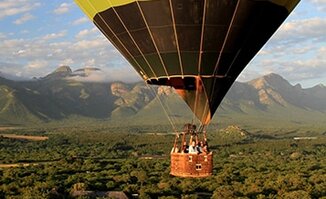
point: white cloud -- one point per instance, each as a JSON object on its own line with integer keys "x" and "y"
{"x": 40, "y": 55}
{"x": 21, "y": 52}
{"x": 296, "y": 40}
{"x": 87, "y": 33}
{"x": 25, "y": 32}
{"x": 80, "y": 21}
{"x": 26, "y": 17}
{"x": 322, "y": 52}
{"x": 13, "y": 71}
{"x": 15, "y": 7}
{"x": 94, "y": 76}
{"x": 67, "y": 62}
{"x": 37, "y": 64}
{"x": 90, "y": 63}
{"x": 54, "y": 35}
{"x": 303, "y": 50}
{"x": 320, "y": 4}
{"x": 62, "y": 9}
{"x": 299, "y": 68}
{"x": 88, "y": 44}
{"x": 2, "y": 35}
{"x": 108, "y": 75}
{"x": 302, "y": 30}
{"x": 10, "y": 43}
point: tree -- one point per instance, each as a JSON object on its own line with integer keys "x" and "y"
{"x": 296, "y": 194}
{"x": 79, "y": 187}
{"x": 225, "y": 192}
{"x": 140, "y": 175}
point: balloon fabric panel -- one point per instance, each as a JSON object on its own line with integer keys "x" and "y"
{"x": 199, "y": 47}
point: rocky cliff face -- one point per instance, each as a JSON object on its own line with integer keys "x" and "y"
{"x": 119, "y": 89}
{"x": 271, "y": 89}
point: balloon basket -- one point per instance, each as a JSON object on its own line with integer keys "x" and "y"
{"x": 191, "y": 165}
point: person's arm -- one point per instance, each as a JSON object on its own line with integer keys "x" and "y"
{"x": 190, "y": 141}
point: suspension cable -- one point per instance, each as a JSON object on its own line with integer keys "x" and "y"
{"x": 163, "y": 107}
{"x": 171, "y": 114}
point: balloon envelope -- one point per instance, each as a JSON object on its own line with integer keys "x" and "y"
{"x": 199, "y": 47}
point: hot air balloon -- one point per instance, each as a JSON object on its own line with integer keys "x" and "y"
{"x": 198, "y": 47}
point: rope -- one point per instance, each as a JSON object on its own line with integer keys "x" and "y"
{"x": 163, "y": 107}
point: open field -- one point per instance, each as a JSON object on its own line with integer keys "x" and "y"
{"x": 4, "y": 128}
{"x": 17, "y": 165}
{"x": 25, "y": 137}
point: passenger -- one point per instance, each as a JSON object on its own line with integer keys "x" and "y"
{"x": 199, "y": 147}
{"x": 193, "y": 148}
{"x": 185, "y": 148}
{"x": 205, "y": 149}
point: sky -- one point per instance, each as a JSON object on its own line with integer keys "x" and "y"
{"x": 38, "y": 36}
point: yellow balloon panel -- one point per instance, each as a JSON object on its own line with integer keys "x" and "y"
{"x": 92, "y": 7}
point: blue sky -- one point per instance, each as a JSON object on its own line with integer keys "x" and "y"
{"x": 38, "y": 36}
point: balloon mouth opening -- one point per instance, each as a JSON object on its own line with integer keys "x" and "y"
{"x": 184, "y": 83}
{"x": 192, "y": 91}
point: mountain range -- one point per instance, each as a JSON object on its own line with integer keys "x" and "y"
{"x": 65, "y": 94}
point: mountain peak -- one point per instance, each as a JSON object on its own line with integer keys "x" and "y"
{"x": 274, "y": 78}
{"x": 272, "y": 88}
{"x": 273, "y": 75}
{"x": 298, "y": 86}
{"x": 270, "y": 80}
{"x": 63, "y": 69}
{"x": 59, "y": 73}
